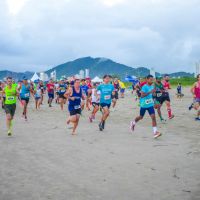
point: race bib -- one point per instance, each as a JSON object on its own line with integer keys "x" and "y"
{"x": 62, "y": 91}
{"x": 149, "y": 101}
{"x": 27, "y": 95}
{"x": 159, "y": 94}
{"x": 107, "y": 97}
{"x": 11, "y": 98}
{"x": 77, "y": 107}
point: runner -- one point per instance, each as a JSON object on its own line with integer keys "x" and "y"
{"x": 106, "y": 90}
{"x": 95, "y": 102}
{"x": 115, "y": 97}
{"x": 147, "y": 104}
{"x": 122, "y": 88}
{"x": 196, "y": 95}
{"x": 25, "y": 90}
{"x": 61, "y": 91}
{"x": 57, "y": 91}
{"x": 165, "y": 96}
{"x": 50, "y": 90}
{"x": 84, "y": 89}
{"x": 11, "y": 93}
{"x": 38, "y": 96}
{"x": 158, "y": 97}
{"x": 179, "y": 91}
{"x": 74, "y": 95}
{"x": 41, "y": 85}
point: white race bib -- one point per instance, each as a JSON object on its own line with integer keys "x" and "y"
{"x": 27, "y": 95}
{"x": 159, "y": 94}
{"x": 77, "y": 107}
{"x": 149, "y": 101}
{"x": 11, "y": 98}
{"x": 107, "y": 97}
{"x": 62, "y": 91}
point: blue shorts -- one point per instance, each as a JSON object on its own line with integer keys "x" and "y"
{"x": 150, "y": 110}
{"x": 122, "y": 90}
{"x": 51, "y": 96}
{"x": 105, "y": 105}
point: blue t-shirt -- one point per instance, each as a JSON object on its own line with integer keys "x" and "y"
{"x": 106, "y": 92}
{"x": 84, "y": 89}
{"x": 146, "y": 102}
{"x": 25, "y": 91}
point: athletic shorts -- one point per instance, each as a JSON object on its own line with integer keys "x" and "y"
{"x": 51, "y": 96}
{"x": 62, "y": 96}
{"x": 165, "y": 97}
{"x": 122, "y": 90}
{"x": 10, "y": 109}
{"x": 105, "y": 105}
{"x": 25, "y": 99}
{"x": 75, "y": 112}
{"x": 196, "y": 100}
{"x": 37, "y": 98}
{"x": 150, "y": 110}
{"x": 94, "y": 104}
{"x": 115, "y": 96}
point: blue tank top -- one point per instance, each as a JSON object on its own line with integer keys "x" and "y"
{"x": 76, "y": 104}
{"x": 25, "y": 91}
{"x": 62, "y": 89}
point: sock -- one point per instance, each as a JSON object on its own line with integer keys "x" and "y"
{"x": 154, "y": 130}
{"x": 169, "y": 112}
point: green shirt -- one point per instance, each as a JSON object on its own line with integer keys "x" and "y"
{"x": 10, "y": 94}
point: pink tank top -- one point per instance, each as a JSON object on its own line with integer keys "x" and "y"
{"x": 197, "y": 91}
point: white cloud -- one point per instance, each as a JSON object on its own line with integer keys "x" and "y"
{"x": 154, "y": 33}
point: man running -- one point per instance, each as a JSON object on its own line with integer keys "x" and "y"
{"x": 147, "y": 104}
{"x": 25, "y": 90}
{"x": 165, "y": 96}
{"x": 38, "y": 96}
{"x": 50, "y": 90}
{"x": 61, "y": 91}
{"x": 74, "y": 96}
{"x": 158, "y": 96}
{"x": 11, "y": 93}
{"x": 106, "y": 90}
{"x": 84, "y": 89}
{"x": 196, "y": 95}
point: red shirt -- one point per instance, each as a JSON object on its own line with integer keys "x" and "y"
{"x": 50, "y": 87}
{"x": 166, "y": 85}
{"x": 143, "y": 83}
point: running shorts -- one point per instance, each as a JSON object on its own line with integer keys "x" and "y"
{"x": 10, "y": 109}
{"x": 150, "y": 110}
{"x": 75, "y": 112}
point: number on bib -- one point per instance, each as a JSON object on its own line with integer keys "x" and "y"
{"x": 149, "y": 101}
{"x": 107, "y": 97}
{"x": 11, "y": 98}
{"x": 77, "y": 107}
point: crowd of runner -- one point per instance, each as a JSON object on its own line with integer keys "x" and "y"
{"x": 94, "y": 97}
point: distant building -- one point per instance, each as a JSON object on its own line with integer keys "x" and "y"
{"x": 53, "y": 75}
{"x": 152, "y": 72}
{"x": 87, "y": 73}
{"x": 82, "y": 74}
{"x": 197, "y": 70}
{"x": 44, "y": 76}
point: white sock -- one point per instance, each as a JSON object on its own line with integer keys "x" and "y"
{"x": 154, "y": 130}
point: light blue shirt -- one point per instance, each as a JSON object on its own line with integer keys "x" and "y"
{"x": 146, "y": 102}
{"x": 106, "y": 93}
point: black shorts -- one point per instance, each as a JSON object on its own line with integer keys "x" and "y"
{"x": 75, "y": 112}
{"x": 115, "y": 96}
{"x": 105, "y": 105}
{"x": 10, "y": 109}
{"x": 25, "y": 99}
{"x": 165, "y": 97}
{"x": 62, "y": 96}
{"x": 94, "y": 104}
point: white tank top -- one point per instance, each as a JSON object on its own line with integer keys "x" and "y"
{"x": 94, "y": 98}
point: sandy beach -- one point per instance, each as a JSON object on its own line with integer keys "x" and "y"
{"x": 42, "y": 160}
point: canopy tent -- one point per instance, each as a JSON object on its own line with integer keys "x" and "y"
{"x": 35, "y": 77}
{"x": 97, "y": 80}
{"x": 131, "y": 79}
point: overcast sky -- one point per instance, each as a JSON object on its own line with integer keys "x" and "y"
{"x": 38, "y": 34}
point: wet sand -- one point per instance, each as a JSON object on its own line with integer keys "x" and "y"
{"x": 42, "y": 160}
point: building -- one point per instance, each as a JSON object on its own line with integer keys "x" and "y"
{"x": 53, "y": 75}
{"x": 44, "y": 76}
{"x": 87, "y": 73}
{"x": 197, "y": 69}
{"x": 82, "y": 74}
{"x": 152, "y": 72}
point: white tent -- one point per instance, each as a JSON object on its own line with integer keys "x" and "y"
{"x": 97, "y": 80}
{"x": 35, "y": 77}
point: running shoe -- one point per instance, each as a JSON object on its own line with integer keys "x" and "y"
{"x": 9, "y": 133}
{"x": 157, "y": 134}
{"x": 100, "y": 127}
{"x": 171, "y": 117}
{"x": 197, "y": 119}
{"x": 103, "y": 124}
{"x": 190, "y": 107}
{"x": 132, "y": 125}
{"x": 90, "y": 119}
